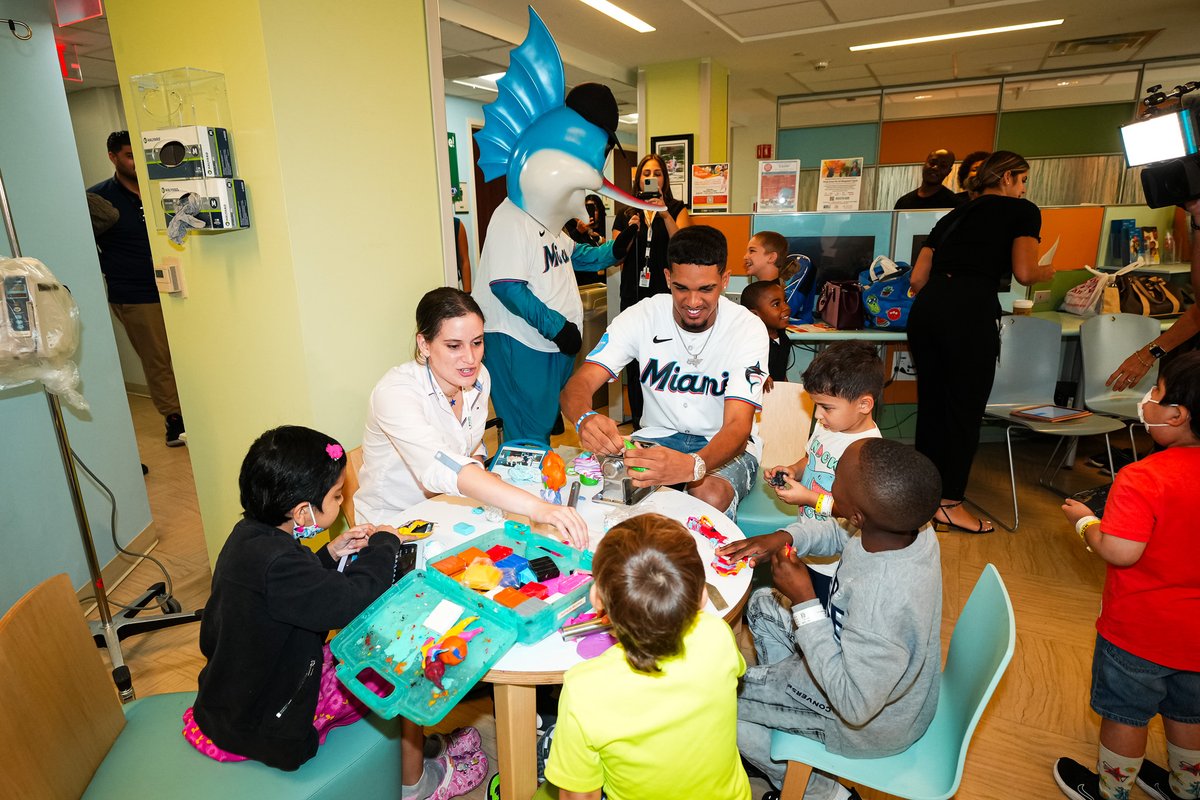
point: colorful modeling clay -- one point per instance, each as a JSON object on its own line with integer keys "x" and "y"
{"x": 551, "y": 495}
{"x": 470, "y": 554}
{"x": 451, "y": 565}
{"x": 481, "y": 575}
{"x": 544, "y": 567}
{"x": 723, "y": 566}
{"x": 477, "y": 510}
{"x": 499, "y": 553}
{"x": 572, "y": 582}
{"x": 464, "y": 528}
{"x": 510, "y": 598}
{"x": 455, "y": 651}
{"x": 513, "y": 561}
{"x": 523, "y": 473}
{"x": 531, "y": 607}
{"x": 435, "y": 671}
{"x": 554, "y": 471}
{"x": 535, "y": 590}
{"x": 704, "y": 526}
{"x": 587, "y": 467}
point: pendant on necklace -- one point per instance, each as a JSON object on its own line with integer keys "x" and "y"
{"x": 452, "y": 402}
{"x": 694, "y": 361}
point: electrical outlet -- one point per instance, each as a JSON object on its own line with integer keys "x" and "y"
{"x": 1042, "y": 296}
{"x": 902, "y": 366}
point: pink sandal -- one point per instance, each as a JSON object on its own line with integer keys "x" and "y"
{"x": 459, "y": 743}
{"x": 462, "y": 775}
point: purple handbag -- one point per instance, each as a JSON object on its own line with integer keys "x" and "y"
{"x": 840, "y": 305}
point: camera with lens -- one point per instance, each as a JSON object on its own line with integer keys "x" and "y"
{"x": 1166, "y": 142}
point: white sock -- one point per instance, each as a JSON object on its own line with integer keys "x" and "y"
{"x": 1117, "y": 773}
{"x": 1184, "y": 783}
{"x": 431, "y": 778}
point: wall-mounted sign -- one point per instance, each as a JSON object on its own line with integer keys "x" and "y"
{"x": 765, "y": 151}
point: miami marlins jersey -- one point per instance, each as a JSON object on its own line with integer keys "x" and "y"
{"x": 685, "y": 392}
{"x": 519, "y": 249}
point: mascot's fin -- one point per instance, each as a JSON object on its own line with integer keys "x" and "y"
{"x": 534, "y": 84}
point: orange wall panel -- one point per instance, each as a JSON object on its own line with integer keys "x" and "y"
{"x": 1077, "y": 231}
{"x": 909, "y": 141}
{"x": 736, "y": 228}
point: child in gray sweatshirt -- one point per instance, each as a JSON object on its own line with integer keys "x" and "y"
{"x": 861, "y": 676}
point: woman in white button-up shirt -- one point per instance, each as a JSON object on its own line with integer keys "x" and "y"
{"x": 425, "y": 422}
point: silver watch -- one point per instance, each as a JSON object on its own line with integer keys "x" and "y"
{"x": 701, "y": 467}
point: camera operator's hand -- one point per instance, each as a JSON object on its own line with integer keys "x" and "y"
{"x": 568, "y": 339}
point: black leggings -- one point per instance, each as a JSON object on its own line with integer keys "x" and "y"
{"x": 954, "y": 348}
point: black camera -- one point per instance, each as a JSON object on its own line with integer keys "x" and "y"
{"x": 1167, "y": 143}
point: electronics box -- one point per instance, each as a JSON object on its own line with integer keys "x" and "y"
{"x": 192, "y": 152}
{"x": 223, "y": 204}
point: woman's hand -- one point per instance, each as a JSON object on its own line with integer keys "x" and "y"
{"x": 1132, "y": 370}
{"x": 568, "y": 521}
{"x": 351, "y": 541}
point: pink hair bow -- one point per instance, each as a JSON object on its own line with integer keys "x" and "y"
{"x": 335, "y": 451}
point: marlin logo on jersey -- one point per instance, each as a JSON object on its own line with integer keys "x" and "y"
{"x": 755, "y": 375}
{"x": 668, "y": 378}
{"x": 554, "y": 257}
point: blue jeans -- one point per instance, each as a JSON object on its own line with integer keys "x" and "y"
{"x": 739, "y": 472}
{"x": 1130, "y": 690}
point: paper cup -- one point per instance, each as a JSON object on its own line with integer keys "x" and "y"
{"x": 1022, "y": 307}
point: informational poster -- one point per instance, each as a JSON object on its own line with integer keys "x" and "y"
{"x": 778, "y": 184}
{"x": 710, "y": 188}
{"x": 840, "y": 186}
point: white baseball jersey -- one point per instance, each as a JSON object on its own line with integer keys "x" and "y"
{"x": 686, "y": 387}
{"x": 518, "y": 248}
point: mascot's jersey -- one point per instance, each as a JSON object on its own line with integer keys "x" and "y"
{"x": 681, "y": 397}
{"x": 520, "y": 249}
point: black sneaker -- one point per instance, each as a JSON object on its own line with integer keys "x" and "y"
{"x": 1075, "y": 780}
{"x": 176, "y": 437}
{"x": 1156, "y": 782}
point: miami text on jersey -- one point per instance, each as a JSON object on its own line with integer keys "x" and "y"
{"x": 668, "y": 379}
{"x": 554, "y": 256}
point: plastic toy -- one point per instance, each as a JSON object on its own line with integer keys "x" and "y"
{"x": 778, "y": 480}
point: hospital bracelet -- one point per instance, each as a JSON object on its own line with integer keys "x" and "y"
{"x": 807, "y": 616}
{"x": 824, "y": 504}
{"x": 1081, "y": 527}
{"x": 582, "y": 417}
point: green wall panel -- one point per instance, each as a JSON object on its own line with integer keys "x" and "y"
{"x": 1074, "y": 131}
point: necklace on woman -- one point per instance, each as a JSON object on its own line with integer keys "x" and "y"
{"x": 695, "y": 355}
{"x": 453, "y": 398}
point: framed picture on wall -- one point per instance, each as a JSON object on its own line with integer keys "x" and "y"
{"x": 676, "y": 153}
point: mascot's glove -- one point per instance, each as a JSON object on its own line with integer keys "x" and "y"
{"x": 622, "y": 241}
{"x": 568, "y": 340}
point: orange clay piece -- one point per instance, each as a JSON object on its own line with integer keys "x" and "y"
{"x": 554, "y": 471}
{"x": 509, "y": 597}
{"x": 469, "y": 555}
{"x": 451, "y": 565}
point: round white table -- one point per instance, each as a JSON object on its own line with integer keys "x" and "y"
{"x": 516, "y": 674}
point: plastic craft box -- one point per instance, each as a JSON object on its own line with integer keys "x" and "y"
{"x": 529, "y": 545}
{"x": 387, "y": 638}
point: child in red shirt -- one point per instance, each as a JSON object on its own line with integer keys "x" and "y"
{"x": 1147, "y": 658}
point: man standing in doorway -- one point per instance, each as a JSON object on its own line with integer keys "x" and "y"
{"x": 128, "y": 269}
{"x": 932, "y": 193}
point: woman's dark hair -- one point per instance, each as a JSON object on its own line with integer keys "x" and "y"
{"x": 970, "y": 160}
{"x": 665, "y": 186}
{"x": 847, "y": 370}
{"x": 777, "y": 243}
{"x": 902, "y": 487}
{"x": 439, "y": 305}
{"x": 287, "y": 466}
{"x": 651, "y": 580}
{"x": 600, "y": 215}
{"x": 1181, "y": 385}
{"x": 994, "y": 168}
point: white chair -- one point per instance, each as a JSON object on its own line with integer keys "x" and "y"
{"x": 783, "y": 428}
{"x": 1105, "y": 341}
{"x": 1026, "y": 376}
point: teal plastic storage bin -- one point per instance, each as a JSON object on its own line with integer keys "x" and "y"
{"x": 387, "y": 639}
{"x": 528, "y": 545}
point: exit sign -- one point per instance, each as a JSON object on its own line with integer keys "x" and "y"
{"x": 766, "y": 150}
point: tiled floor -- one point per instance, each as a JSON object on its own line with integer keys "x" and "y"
{"x": 1040, "y": 711}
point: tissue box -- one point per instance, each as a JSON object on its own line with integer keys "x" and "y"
{"x": 192, "y": 152}
{"x": 223, "y": 204}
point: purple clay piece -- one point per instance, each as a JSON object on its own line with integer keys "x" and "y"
{"x": 594, "y": 644}
{"x": 435, "y": 670}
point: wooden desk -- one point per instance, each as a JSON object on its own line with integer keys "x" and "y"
{"x": 516, "y": 675}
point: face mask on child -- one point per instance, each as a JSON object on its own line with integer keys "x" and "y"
{"x": 307, "y": 531}
{"x": 1142, "y": 412}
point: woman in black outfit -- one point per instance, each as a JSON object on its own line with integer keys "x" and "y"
{"x": 644, "y": 270}
{"x": 953, "y": 329}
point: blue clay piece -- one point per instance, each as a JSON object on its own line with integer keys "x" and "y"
{"x": 477, "y": 510}
{"x": 514, "y": 562}
{"x": 464, "y": 528}
{"x": 526, "y": 575}
{"x": 508, "y": 577}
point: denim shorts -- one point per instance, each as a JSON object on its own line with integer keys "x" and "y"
{"x": 1131, "y": 690}
{"x": 739, "y": 471}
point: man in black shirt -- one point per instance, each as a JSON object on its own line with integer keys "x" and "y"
{"x": 128, "y": 269}
{"x": 931, "y": 193}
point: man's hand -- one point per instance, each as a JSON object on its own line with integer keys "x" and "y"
{"x": 757, "y": 549}
{"x": 599, "y": 434}
{"x": 1074, "y": 511}
{"x": 663, "y": 466}
{"x": 791, "y": 576}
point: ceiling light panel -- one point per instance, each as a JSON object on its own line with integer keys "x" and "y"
{"x": 619, "y": 14}
{"x": 941, "y": 37}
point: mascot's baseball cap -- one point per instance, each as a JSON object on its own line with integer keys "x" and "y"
{"x": 596, "y": 104}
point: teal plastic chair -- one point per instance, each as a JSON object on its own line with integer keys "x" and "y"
{"x": 980, "y": 649}
{"x": 1105, "y": 341}
{"x": 1026, "y": 376}
{"x": 783, "y": 428}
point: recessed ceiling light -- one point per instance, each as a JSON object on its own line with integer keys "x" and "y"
{"x": 959, "y": 35}
{"x": 1063, "y": 83}
{"x": 923, "y": 97}
{"x": 619, "y": 14}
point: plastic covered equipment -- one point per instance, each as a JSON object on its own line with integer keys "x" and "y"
{"x": 39, "y": 330}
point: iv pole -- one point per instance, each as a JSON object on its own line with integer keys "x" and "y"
{"x": 107, "y": 632}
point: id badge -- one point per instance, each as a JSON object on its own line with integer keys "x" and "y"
{"x": 644, "y": 277}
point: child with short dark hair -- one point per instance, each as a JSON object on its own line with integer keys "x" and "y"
{"x": 269, "y": 691}
{"x": 767, "y": 259}
{"x": 862, "y": 676}
{"x": 1147, "y": 658}
{"x": 654, "y": 716}
{"x": 765, "y": 299}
